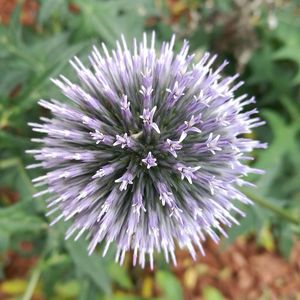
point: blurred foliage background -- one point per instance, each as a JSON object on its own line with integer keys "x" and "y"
{"x": 261, "y": 258}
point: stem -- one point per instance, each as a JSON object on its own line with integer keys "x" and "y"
{"x": 32, "y": 284}
{"x": 274, "y": 208}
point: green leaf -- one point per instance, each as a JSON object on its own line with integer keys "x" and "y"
{"x": 265, "y": 238}
{"x": 20, "y": 218}
{"x": 4, "y": 240}
{"x": 101, "y": 16}
{"x": 59, "y": 60}
{"x": 68, "y": 289}
{"x": 169, "y": 285}
{"x": 288, "y": 33}
{"x": 247, "y": 226}
{"x": 92, "y": 266}
{"x": 211, "y": 293}
{"x": 17, "y": 179}
{"x": 284, "y": 139}
{"x": 268, "y": 77}
{"x": 89, "y": 291}
{"x": 124, "y": 297}
{"x": 285, "y": 240}
{"x": 15, "y": 26}
{"x": 119, "y": 275}
{"x": 8, "y": 140}
{"x": 48, "y": 7}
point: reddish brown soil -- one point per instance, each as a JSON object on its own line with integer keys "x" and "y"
{"x": 28, "y": 14}
{"x": 241, "y": 272}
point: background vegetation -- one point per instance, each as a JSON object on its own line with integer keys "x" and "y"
{"x": 262, "y": 41}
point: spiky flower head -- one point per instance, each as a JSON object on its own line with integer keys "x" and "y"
{"x": 148, "y": 152}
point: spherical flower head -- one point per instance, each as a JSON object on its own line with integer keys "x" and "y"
{"x": 148, "y": 153}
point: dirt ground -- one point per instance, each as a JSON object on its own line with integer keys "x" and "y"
{"x": 243, "y": 271}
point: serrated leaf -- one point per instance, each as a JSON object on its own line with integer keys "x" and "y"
{"x": 268, "y": 76}
{"x": 17, "y": 179}
{"x": 8, "y": 140}
{"x": 119, "y": 275}
{"x": 91, "y": 266}
{"x": 169, "y": 285}
{"x": 284, "y": 139}
{"x": 100, "y": 17}
{"x": 20, "y": 218}
{"x": 48, "y": 7}
{"x": 53, "y": 67}
{"x": 247, "y": 226}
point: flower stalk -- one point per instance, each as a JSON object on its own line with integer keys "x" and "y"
{"x": 263, "y": 202}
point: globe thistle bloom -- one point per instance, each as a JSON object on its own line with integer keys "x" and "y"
{"x": 148, "y": 152}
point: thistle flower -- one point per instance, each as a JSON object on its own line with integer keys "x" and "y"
{"x": 148, "y": 152}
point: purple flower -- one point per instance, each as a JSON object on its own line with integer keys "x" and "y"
{"x": 149, "y": 151}
{"x": 147, "y": 117}
{"x": 149, "y": 161}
